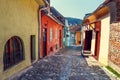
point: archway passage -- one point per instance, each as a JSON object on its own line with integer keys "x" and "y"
{"x": 13, "y": 52}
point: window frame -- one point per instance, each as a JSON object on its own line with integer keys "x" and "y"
{"x": 51, "y": 34}
{"x": 13, "y": 52}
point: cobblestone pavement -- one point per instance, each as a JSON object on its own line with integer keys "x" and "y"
{"x": 67, "y": 64}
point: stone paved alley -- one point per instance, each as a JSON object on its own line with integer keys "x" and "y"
{"x": 67, "y": 64}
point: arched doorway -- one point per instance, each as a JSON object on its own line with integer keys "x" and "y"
{"x": 13, "y": 52}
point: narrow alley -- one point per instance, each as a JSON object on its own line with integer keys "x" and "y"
{"x": 60, "y": 40}
{"x": 67, "y": 64}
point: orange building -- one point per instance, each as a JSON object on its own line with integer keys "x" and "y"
{"x": 78, "y": 37}
{"x": 51, "y": 34}
{"x": 77, "y": 31}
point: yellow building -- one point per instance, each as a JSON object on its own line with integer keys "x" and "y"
{"x": 19, "y": 35}
{"x": 78, "y": 37}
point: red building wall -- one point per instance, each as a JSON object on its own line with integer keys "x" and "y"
{"x": 53, "y": 45}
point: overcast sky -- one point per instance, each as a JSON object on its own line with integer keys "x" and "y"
{"x": 75, "y": 8}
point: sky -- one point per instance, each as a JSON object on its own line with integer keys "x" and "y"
{"x": 75, "y": 8}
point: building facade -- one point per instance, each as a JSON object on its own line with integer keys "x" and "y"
{"x": 78, "y": 37}
{"x": 51, "y": 32}
{"x": 66, "y": 33}
{"x": 51, "y": 36}
{"x": 19, "y": 35}
{"x": 100, "y": 38}
{"x": 114, "y": 41}
{"x": 75, "y": 35}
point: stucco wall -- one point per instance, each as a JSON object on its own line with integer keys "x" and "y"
{"x": 78, "y": 38}
{"x": 114, "y": 48}
{"x": 18, "y": 18}
{"x": 48, "y": 23}
{"x": 67, "y": 33}
{"x": 104, "y": 41}
{"x": 93, "y": 43}
{"x": 82, "y": 37}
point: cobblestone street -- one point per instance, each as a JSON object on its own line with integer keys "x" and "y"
{"x": 67, "y": 64}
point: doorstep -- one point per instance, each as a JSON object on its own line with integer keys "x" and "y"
{"x": 87, "y": 53}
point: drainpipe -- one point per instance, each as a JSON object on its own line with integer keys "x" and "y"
{"x": 39, "y": 29}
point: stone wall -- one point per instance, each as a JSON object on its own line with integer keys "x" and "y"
{"x": 114, "y": 42}
{"x": 114, "y": 46}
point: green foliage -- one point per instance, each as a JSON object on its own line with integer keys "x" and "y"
{"x": 113, "y": 71}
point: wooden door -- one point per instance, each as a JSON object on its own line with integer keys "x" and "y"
{"x": 60, "y": 38}
{"x": 33, "y": 56}
{"x": 97, "y": 41}
{"x": 44, "y": 42}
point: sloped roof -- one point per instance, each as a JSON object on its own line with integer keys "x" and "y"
{"x": 100, "y": 11}
{"x": 56, "y": 14}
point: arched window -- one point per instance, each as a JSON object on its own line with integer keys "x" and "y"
{"x": 13, "y": 52}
